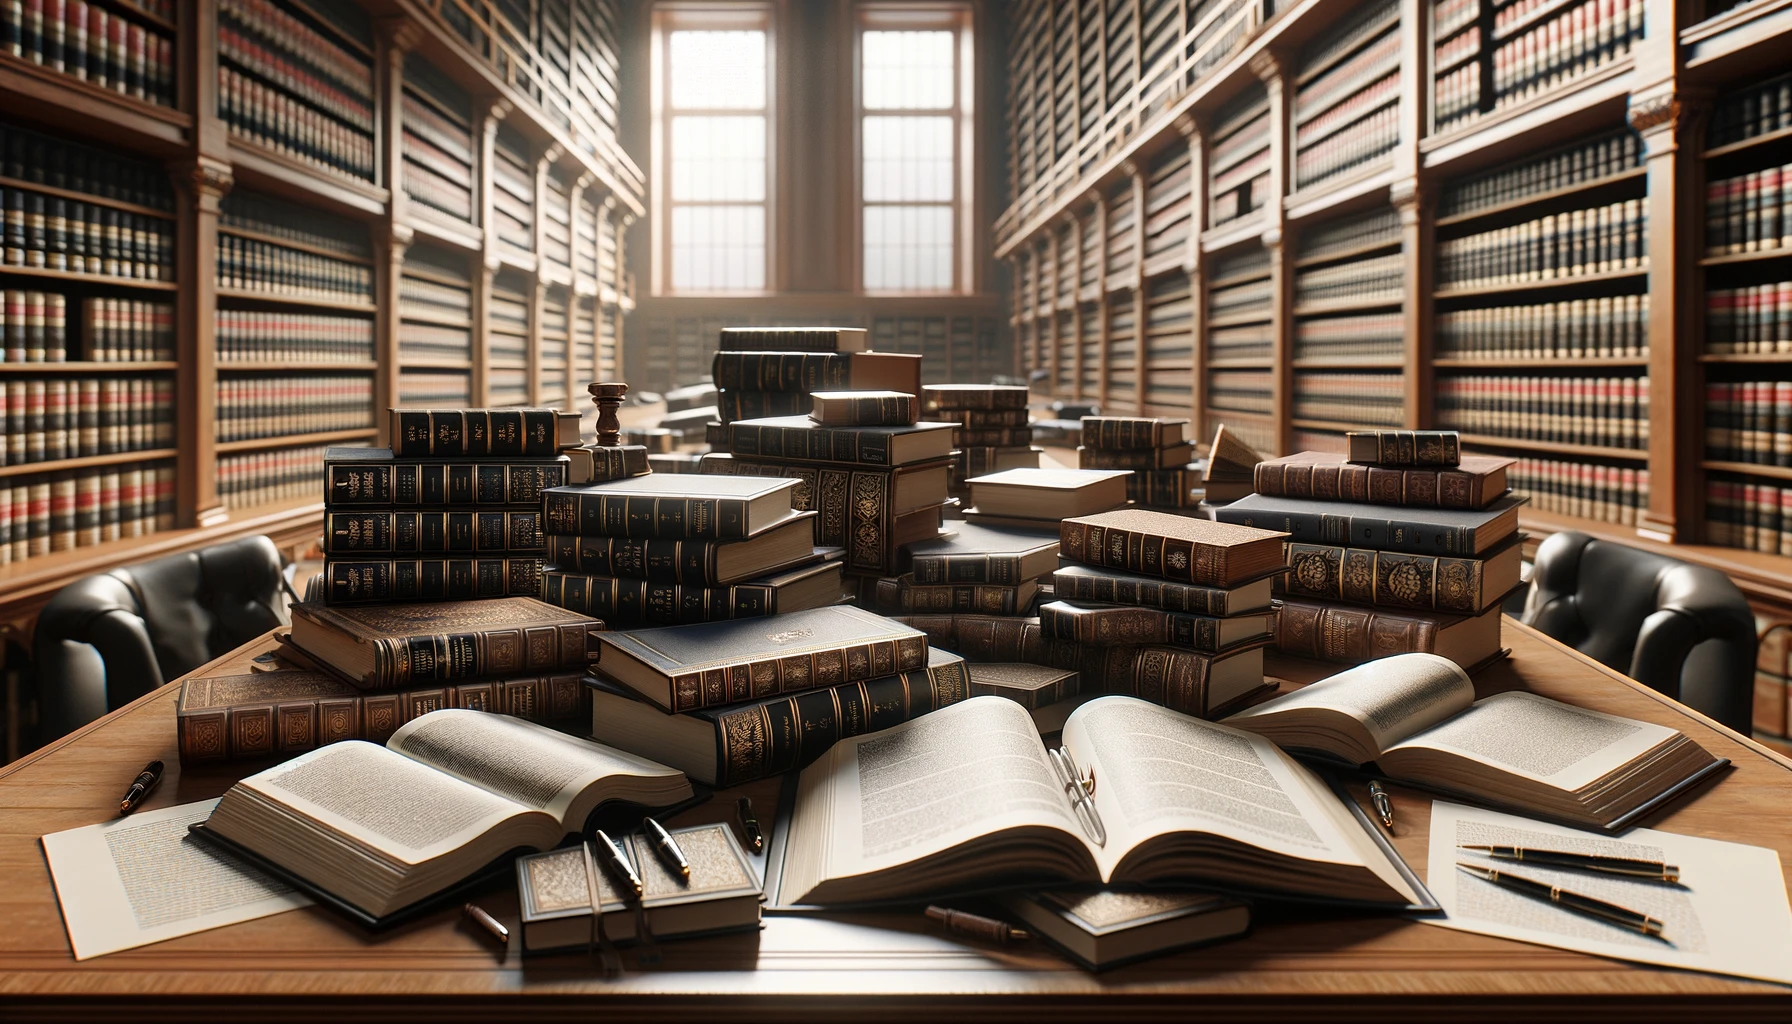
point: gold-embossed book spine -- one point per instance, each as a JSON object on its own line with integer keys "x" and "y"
{"x": 1362, "y": 576}
{"x": 759, "y": 678}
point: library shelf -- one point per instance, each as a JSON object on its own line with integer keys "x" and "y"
{"x": 1239, "y": 319}
{"x": 263, "y": 168}
{"x": 433, "y": 227}
{"x": 255, "y": 444}
{"x": 69, "y": 104}
{"x": 143, "y": 14}
{"x": 1389, "y": 300}
{"x": 1349, "y": 363}
{"x": 527, "y": 262}
{"x": 1610, "y": 182}
{"x": 1741, "y": 145}
{"x": 89, "y": 367}
{"x": 1749, "y": 468}
{"x": 1341, "y": 190}
{"x": 1544, "y": 284}
{"x": 297, "y": 301}
{"x": 1557, "y": 447}
{"x": 109, "y": 280}
{"x": 247, "y": 366}
{"x": 86, "y": 462}
{"x": 1545, "y": 120}
{"x": 289, "y": 243}
{"x": 438, "y": 319}
{"x": 1366, "y": 35}
{"x": 85, "y": 197}
{"x": 1337, "y": 427}
{"x": 1234, "y": 232}
{"x": 1252, "y": 417}
{"x": 1248, "y": 277}
{"x": 1539, "y": 362}
{"x": 1539, "y": 13}
{"x": 414, "y": 363}
{"x": 1757, "y": 256}
{"x": 1746, "y": 357}
{"x": 1744, "y": 34}
{"x": 1337, "y": 255}
{"x": 1263, "y": 363}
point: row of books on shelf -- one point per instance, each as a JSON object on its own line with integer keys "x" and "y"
{"x": 1582, "y": 490}
{"x": 250, "y": 264}
{"x": 252, "y": 407}
{"x": 1364, "y": 336}
{"x": 1374, "y": 277}
{"x": 274, "y": 475}
{"x": 1749, "y": 421}
{"x": 1613, "y": 326}
{"x": 292, "y": 222}
{"x": 1241, "y": 391}
{"x": 431, "y": 190}
{"x": 48, "y": 419}
{"x": 1361, "y": 142}
{"x": 91, "y": 43}
{"x": 1369, "y": 399}
{"x": 33, "y": 158}
{"x": 1753, "y": 319}
{"x": 1594, "y": 241}
{"x": 289, "y": 126}
{"x": 1247, "y": 341}
{"x": 278, "y": 68}
{"x": 1348, "y": 234}
{"x": 1583, "y": 162}
{"x": 1759, "y": 109}
{"x": 1557, "y": 49}
{"x": 68, "y": 235}
{"x": 263, "y": 337}
{"x": 1750, "y": 212}
{"x": 1611, "y": 412}
{"x": 42, "y": 515}
{"x": 34, "y": 328}
{"x": 1748, "y": 515}
{"x": 295, "y": 38}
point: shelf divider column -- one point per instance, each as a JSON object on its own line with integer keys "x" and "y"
{"x": 1194, "y": 267}
{"x": 393, "y": 234}
{"x": 488, "y": 256}
{"x": 1272, "y": 70}
{"x": 1138, "y": 278}
{"x": 202, "y": 178}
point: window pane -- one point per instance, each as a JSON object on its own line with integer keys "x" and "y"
{"x": 718, "y": 248}
{"x": 718, "y": 158}
{"x": 908, "y": 158}
{"x": 717, "y": 70}
{"x": 908, "y": 248}
{"x": 908, "y": 70}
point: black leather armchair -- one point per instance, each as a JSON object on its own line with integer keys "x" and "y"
{"x": 1681, "y": 629}
{"x": 106, "y": 640}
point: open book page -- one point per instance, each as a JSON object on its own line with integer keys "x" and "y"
{"x": 1393, "y": 697}
{"x": 403, "y": 810}
{"x": 530, "y": 764}
{"x": 1158, "y": 771}
{"x": 1729, "y": 915}
{"x": 133, "y": 881}
{"x": 1542, "y": 739}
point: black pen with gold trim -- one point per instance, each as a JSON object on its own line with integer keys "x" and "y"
{"x": 1629, "y": 867}
{"x": 1611, "y": 913}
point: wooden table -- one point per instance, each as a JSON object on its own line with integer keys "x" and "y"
{"x": 308, "y": 963}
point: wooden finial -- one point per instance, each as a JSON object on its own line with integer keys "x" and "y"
{"x": 608, "y": 397}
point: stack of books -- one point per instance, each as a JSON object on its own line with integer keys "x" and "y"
{"x": 1230, "y": 471}
{"x": 452, "y": 510}
{"x": 1157, "y": 451}
{"x": 990, "y": 429}
{"x": 1401, "y": 546}
{"x": 1038, "y": 499}
{"x": 974, "y": 568}
{"x": 772, "y": 371}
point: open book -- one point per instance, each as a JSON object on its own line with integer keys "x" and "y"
{"x": 1416, "y": 717}
{"x": 969, "y": 797}
{"x": 383, "y": 827}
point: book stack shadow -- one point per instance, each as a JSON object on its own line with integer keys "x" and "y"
{"x": 990, "y": 429}
{"x": 1158, "y": 453}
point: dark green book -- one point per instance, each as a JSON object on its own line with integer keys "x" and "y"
{"x": 374, "y": 477}
{"x": 669, "y": 505}
{"x": 1419, "y": 531}
{"x": 462, "y": 532}
{"x": 983, "y": 554}
{"x": 623, "y": 602}
{"x": 799, "y": 439}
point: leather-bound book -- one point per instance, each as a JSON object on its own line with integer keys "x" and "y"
{"x": 1106, "y": 586}
{"x": 1405, "y": 447}
{"x": 1133, "y": 432}
{"x": 900, "y": 595}
{"x": 374, "y": 477}
{"x": 623, "y": 602}
{"x": 800, "y": 439}
{"x": 1194, "y": 683}
{"x": 935, "y": 397}
{"x": 1135, "y": 458}
{"x": 808, "y": 372}
{"x": 864, "y": 408}
{"x": 1229, "y": 459}
{"x": 701, "y": 563}
{"x": 479, "y": 433}
{"x": 1422, "y": 531}
{"x": 1444, "y": 583}
{"x": 982, "y": 554}
{"x": 1048, "y": 493}
{"x": 592, "y": 464}
{"x": 391, "y": 645}
{"x": 733, "y": 404}
{"x": 461, "y": 578}
{"x": 1476, "y": 482}
{"x": 1166, "y": 488}
{"x": 675, "y": 506}
{"x": 1120, "y": 625}
{"x": 1172, "y": 546}
{"x": 1339, "y": 632}
{"x": 462, "y": 532}
{"x": 993, "y": 639}
{"x": 794, "y": 339}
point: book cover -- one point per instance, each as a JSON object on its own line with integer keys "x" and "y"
{"x": 1445, "y": 583}
{"x": 676, "y": 506}
{"x": 794, "y": 339}
{"x": 1175, "y": 547}
{"x": 733, "y": 404}
{"x": 1405, "y": 447}
{"x": 1474, "y": 483}
{"x": 464, "y": 532}
{"x": 687, "y": 562}
{"x": 936, "y": 397}
{"x": 1166, "y": 488}
{"x": 458, "y": 433}
{"x": 407, "y": 644}
{"x": 364, "y": 580}
{"x": 1230, "y": 459}
{"x": 1337, "y": 632}
{"x": 1117, "y": 625}
{"x": 899, "y": 595}
{"x": 1171, "y": 457}
{"x": 1176, "y": 679}
{"x": 377, "y": 478}
{"x": 1423, "y": 531}
{"x": 991, "y": 639}
{"x": 621, "y": 600}
{"x": 799, "y": 439}
{"x": 1133, "y": 432}
{"x": 1030, "y": 686}
{"x": 864, "y": 408}
{"x": 982, "y": 554}
{"x": 1106, "y": 586}
{"x": 808, "y": 372}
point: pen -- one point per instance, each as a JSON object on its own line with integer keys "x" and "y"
{"x": 749, "y": 825}
{"x": 1623, "y": 917}
{"x": 1384, "y": 808}
{"x": 977, "y": 926}
{"x": 1630, "y": 867}
{"x": 146, "y": 780}
{"x": 666, "y": 847}
{"x": 489, "y": 923}
{"x": 616, "y": 863}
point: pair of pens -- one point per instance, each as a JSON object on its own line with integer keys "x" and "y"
{"x": 616, "y": 862}
{"x": 1590, "y": 906}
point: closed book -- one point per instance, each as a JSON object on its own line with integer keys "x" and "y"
{"x": 350, "y": 580}
{"x": 1175, "y": 547}
{"x": 674, "y": 506}
{"x": 1166, "y": 488}
{"x": 982, "y": 554}
{"x": 376, "y": 477}
{"x": 1337, "y": 632}
{"x": 1048, "y": 493}
{"x": 1115, "y": 625}
{"x": 979, "y": 460}
{"x": 794, "y": 339}
{"x": 290, "y": 711}
{"x": 734, "y": 404}
{"x": 1444, "y": 583}
{"x": 1031, "y": 686}
{"x": 728, "y": 746}
{"x": 800, "y": 439}
{"x": 1135, "y": 458}
{"x": 1103, "y": 928}
{"x": 1202, "y": 685}
{"x": 992, "y": 639}
{"x": 462, "y": 532}
{"x": 1001, "y": 437}
{"x": 809, "y": 372}
{"x": 479, "y": 433}
{"x": 972, "y": 396}
{"x": 1476, "y": 482}
{"x": 591, "y": 464}
{"x": 899, "y": 595}
{"x": 1133, "y": 432}
{"x": 1229, "y": 459}
{"x": 864, "y": 408}
{"x": 623, "y": 603}
{"x": 981, "y": 419}
{"x": 684, "y": 668}
{"x": 1106, "y": 586}
{"x": 697, "y": 563}
{"x": 1405, "y": 447}
{"x": 1424, "y": 531}
{"x": 390, "y": 645}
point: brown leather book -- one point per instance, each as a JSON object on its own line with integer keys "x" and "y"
{"x": 935, "y": 397}
{"x": 865, "y": 408}
{"x": 1405, "y": 447}
{"x": 1445, "y": 583}
{"x": 985, "y": 639}
{"x": 1187, "y": 681}
{"x": 1133, "y": 432}
{"x": 1229, "y": 459}
{"x": 1172, "y": 546}
{"x": 391, "y": 645}
{"x": 1174, "y": 456}
{"x": 1339, "y": 632}
{"x": 1118, "y": 625}
{"x": 1478, "y": 481}
{"x": 900, "y": 595}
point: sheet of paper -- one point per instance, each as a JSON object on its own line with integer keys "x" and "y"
{"x": 1729, "y": 915}
{"x": 137, "y": 880}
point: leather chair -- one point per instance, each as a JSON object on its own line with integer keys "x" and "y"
{"x": 106, "y": 640}
{"x": 1681, "y": 629}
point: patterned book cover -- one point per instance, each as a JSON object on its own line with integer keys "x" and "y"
{"x": 416, "y": 643}
{"x": 477, "y": 433}
{"x": 1476, "y": 482}
{"x": 1444, "y": 583}
{"x": 1175, "y": 547}
{"x": 374, "y": 477}
{"x": 1133, "y": 432}
{"x": 371, "y": 580}
{"x": 368, "y": 532}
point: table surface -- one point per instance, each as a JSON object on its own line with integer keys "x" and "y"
{"x": 873, "y": 966}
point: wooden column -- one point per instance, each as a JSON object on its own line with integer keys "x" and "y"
{"x": 624, "y": 293}
{"x": 1194, "y": 267}
{"x": 1076, "y": 307}
{"x": 1272, "y": 70}
{"x": 1138, "y": 284}
{"x": 537, "y": 287}
{"x": 392, "y": 233}
{"x": 487, "y": 266}
{"x": 1418, "y": 242}
{"x": 1103, "y": 327}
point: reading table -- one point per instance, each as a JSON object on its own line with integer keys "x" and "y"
{"x": 308, "y": 963}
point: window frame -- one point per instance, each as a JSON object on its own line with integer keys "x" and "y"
{"x": 955, "y": 16}
{"x": 666, "y": 19}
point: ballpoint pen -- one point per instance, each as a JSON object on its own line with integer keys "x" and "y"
{"x": 749, "y": 825}
{"x": 977, "y": 926}
{"x": 666, "y": 847}
{"x": 1623, "y": 917}
{"x": 616, "y": 863}
{"x": 1629, "y": 867}
{"x": 492, "y": 925}
{"x": 140, "y": 787}
{"x": 1384, "y": 807}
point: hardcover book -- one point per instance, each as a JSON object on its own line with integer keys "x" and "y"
{"x": 998, "y": 437}
{"x": 1442, "y": 583}
{"x": 808, "y": 372}
{"x": 865, "y": 408}
{"x": 1133, "y": 432}
{"x": 899, "y": 595}
{"x": 936, "y": 397}
{"x": 982, "y": 554}
{"x": 1336, "y": 632}
{"x": 1174, "y": 456}
{"x": 733, "y": 404}
{"x": 1072, "y": 582}
{"x": 622, "y": 602}
{"x": 1476, "y": 482}
{"x": 592, "y": 464}
{"x": 674, "y": 506}
{"x": 1194, "y": 683}
{"x": 1421, "y": 531}
{"x": 1167, "y": 488}
{"x": 686, "y": 668}
{"x": 290, "y": 711}
{"x": 480, "y": 433}
{"x": 992, "y": 639}
{"x": 429, "y": 533}
{"x": 981, "y": 419}
{"x": 1174, "y": 547}
{"x": 692, "y": 563}
{"x": 794, "y": 339}
{"x": 1048, "y": 493}
{"x": 1229, "y": 459}
{"x": 391, "y": 645}
{"x": 365, "y": 580}
{"x": 1103, "y": 928}
{"x": 799, "y": 439}
{"x": 1031, "y": 686}
{"x": 1405, "y": 447}
{"x": 1117, "y": 625}
{"x": 740, "y": 743}
{"x": 375, "y": 477}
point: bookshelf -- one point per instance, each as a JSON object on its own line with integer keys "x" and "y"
{"x": 233, "y": 234}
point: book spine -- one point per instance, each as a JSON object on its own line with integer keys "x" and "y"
{"x": 953, "y": 402}
{"x": 1406, "y": 447}
{"x": 1164, "y": 676}
{"x": 1164, "y": 488}
{"x": 1006, "y": 437}
{"x": 256, "y": 730}
{"x": 1109, "y": 627}
{"x": 1137, "y": 458}
{"x": 778, "y": 736}
{"x": 625, "y": 603}
{"x": 770, "y": 677}
{"x": 1142, "y": 592}
{"x": 1329, "y": 632}
{"x": 1413, "y": 488}
{"x": 387, "y": 533}
{"x": 586, "y": 514}
{"x": 689, "y": 563}
{"x": 1368, "y": 531}
{"x": 894, "y": 597}
{"x": 732, "y": 405}
{"x": 1118, "y": 432}
{"x": 477, "y": 433}
{"x": 439, "y": 484}
{"x": 1001, "y": 570}
{"x": 868, "y": 411}
{"x": 1150, "y": 554}
{"x": 444, "y": 657}
{"x": 1391, "y": 578}
{"x": 992, "y": 639}
{"x": 802, "y": 372}
{"x": 820, "y": 339}
{"x": 810, "y": 444}
{"x": 365, "y": 581}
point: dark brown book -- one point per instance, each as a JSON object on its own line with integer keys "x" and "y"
{"x": 1119, "y": 625}
{"x": 808, "y": 372}
{"x": 794, "y": 339}
{"x": 1445, "y": 583}
{"x": 1174, "y": 456}
{"x": 864, "y": 408}
{"x": 734, "y": 404}
{"x": 989, "y": 639}
{"x": 1174, "y": 547}
{"x": 981, "y": 419}
{"x": 624, "y": 603}
{"x": 699, "y": 563}
{"x": 1405, "y": 447}
{"x": 1106, "y": 586}
{"x": 458, "y": 578}
{"x": 479, "y": 433}
{"x": 391, "y": 645}
{"x": 374, "y": 477}
{"x": 1133, "y": 432}
{"x": 800, "y": 439}
{"x": 668, "y": 506}
{"x": 1166, "y": 488}
{"x": 1338, "y": 632}
{"x": 591, "y": 464}
{"x": 1475, "y": 483}
{"x": 1229, "y": 459}
{"x": 972, "y": 396}
{"x": 1191, "y": 682}
{"x": 428, "y": 533}
{"x": 983, "y": 554}
{"x": 999, "y": 437}
{"x": 290, "y": 711}
{"x": 1423, "y": 531}
{"x": 900, "y": 595}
